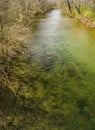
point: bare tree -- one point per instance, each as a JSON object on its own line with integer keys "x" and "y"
{"x": 77, "y": 5}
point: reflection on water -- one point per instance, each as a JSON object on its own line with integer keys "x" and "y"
{"x": 61, "y": 75}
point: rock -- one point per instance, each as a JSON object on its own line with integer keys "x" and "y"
{"x": 71, "y": 72}
{"x": 6, "y": 99}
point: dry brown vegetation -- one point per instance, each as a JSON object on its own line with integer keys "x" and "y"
{"x": 15, "y": 19}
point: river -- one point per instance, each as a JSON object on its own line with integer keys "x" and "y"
{"x": 60, "y": 71}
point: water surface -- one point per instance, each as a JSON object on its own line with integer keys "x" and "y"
{"x": 61, "y": 70}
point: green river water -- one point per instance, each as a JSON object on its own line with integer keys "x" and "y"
{"x": 59, "y": 90}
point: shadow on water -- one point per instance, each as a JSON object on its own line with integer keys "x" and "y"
{"x": 59, "y": 76}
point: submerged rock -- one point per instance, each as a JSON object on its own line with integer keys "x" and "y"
{"x": 48, "y": 62}
{"x": 71, "y": 72}
{"x": 7, "y": 98}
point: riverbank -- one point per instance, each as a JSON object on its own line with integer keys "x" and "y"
{"x": 14, "y": 39}
{"x": 88, "y": 21}
{"x": 84, "y": 18}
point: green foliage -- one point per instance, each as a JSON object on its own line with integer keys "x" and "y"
{"x": 88, "y": 13}
{"x": 85, "y": 11}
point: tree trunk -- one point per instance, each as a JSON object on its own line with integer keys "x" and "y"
{"x": 77, "y": 6}
{"x": 69, "y": 6}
